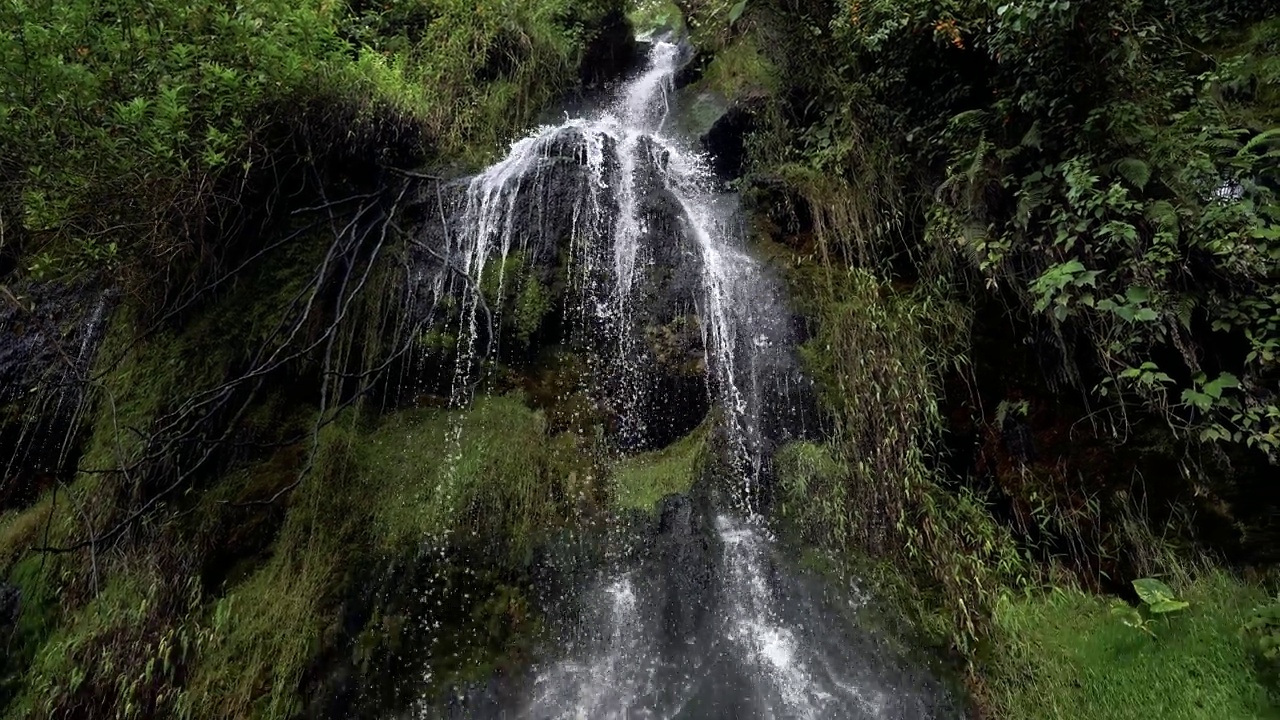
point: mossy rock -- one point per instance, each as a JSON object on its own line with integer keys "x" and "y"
{"x": 641, "y": 481}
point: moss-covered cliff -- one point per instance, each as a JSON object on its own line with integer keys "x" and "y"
{"x": 1033, "y": 247}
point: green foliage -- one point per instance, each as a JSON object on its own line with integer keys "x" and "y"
{"x": 125, "y": 127}
{"x": 640, "y": 481}
{"x": 655, "y": 16}
{"x": 878, "y": 356}
{"x": 1157, "y": 599}
{"x": 1108, "y": 165}
{"x": 814, "y": 494}
{"x": 1063, "y": 654}
{"x": 875, "y": 358}
{"x": 1262, "y": 632}
{"x": 119, "y": 653}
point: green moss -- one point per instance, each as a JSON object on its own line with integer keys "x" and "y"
{"x": 1065, "y": 655}
{"x": 268, "y": 628}
{"x": 19, "y": 530}
{"x": 40, "y": 614}
{"x": 640, "y": 481}
{"x": 533, "y": 304}
{"x": 741, "y": 71}
{"x": 489, "y": 469}
{"x": 512, "y": 290}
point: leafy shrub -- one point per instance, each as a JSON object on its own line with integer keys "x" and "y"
{"x": 128, "y": 130}
{"x": 1109, "y": 165}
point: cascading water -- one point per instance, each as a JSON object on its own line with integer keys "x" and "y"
{"x": 623, "y": 152}
{"x": 710, "y": 624}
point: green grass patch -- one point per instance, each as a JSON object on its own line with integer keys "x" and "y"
{"x": 1065, "y": 655}
{"x": 266, "y": 630}
{"x": 640, "y": 481}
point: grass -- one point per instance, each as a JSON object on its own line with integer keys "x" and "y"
{"x": 18, "y": 531}
{"x": 1065, "y": 655}
{"x": 640, "y": 481}
{"x": 266, "y": 630}
{"x": 491, "y": 473}
{"x": 264, "y": 634}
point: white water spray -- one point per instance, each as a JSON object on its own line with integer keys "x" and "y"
{"x": 641, "y": 194}
{"x": 621, "y": 148}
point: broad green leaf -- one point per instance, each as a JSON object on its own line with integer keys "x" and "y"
{"x": 1153, "y": 591}
{"x": 1196, "y": 399}
{"x": 1168, "y": 606}
{"x": 1128, "y": 615}
{"x": 736, "y": 11}
{"x": 1225, "y": 381}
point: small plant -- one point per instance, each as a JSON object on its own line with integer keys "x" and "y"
{"x": 1263, "y": 632}
{"x": 1157, "y": 599}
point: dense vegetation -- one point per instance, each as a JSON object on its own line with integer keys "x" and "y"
{"x": 1036, "y": 244}
{"x": 224, "y": 480}
{"x": 134, "y": 133}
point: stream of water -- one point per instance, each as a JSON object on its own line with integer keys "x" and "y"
{"x": 720, "y": 626}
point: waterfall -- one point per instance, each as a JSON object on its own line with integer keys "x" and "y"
{"x": 710, "y": 624}
{"x": 624, "y": 152}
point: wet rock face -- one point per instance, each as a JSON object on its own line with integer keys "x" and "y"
{"x": 726, "y": 140}
{"x": 44, "y": 329}
{"x": 612, "y": 52}
{"x": 49, "y": 334}
{"x": 551, "y": 242}
{"x": 682, "y": 565}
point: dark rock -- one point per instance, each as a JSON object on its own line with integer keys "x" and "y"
{"x": 611, "y": 52}
{"x": 683, "y": 566}
{"x": 49, "y": 335}
{"x": 48, "y": 332}
{"x": 726, "y": 141}
{"x": 1018, "y": 439}
{"x": 10, "y": 607}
